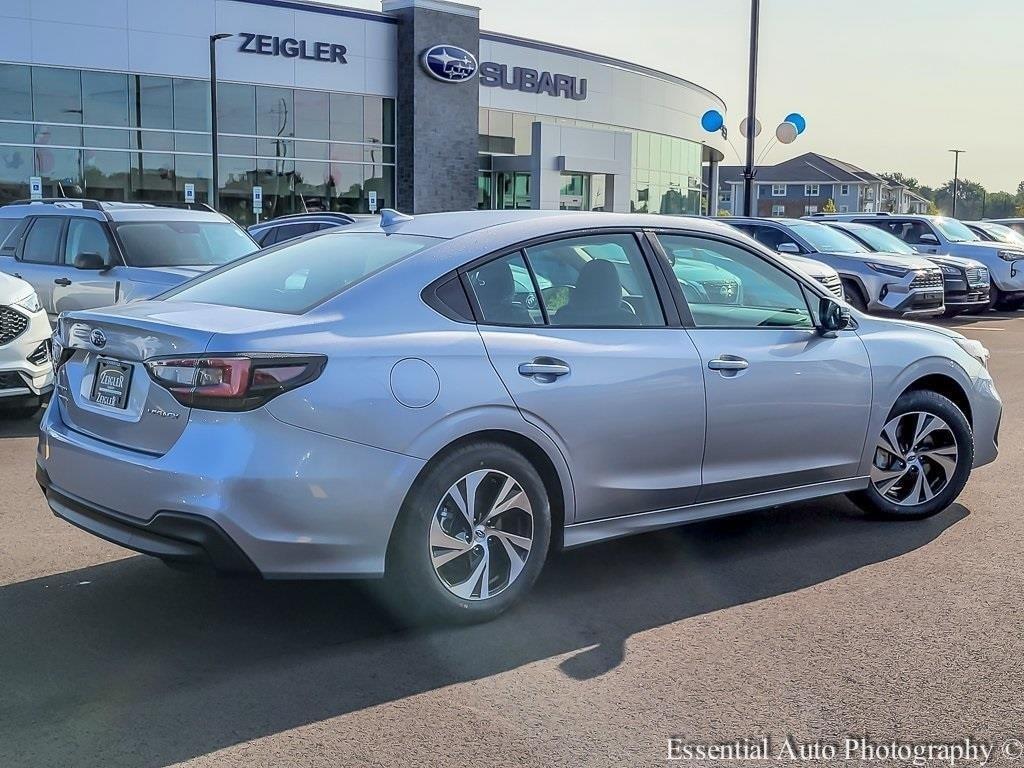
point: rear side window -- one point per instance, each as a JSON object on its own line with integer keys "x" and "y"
{"x": 291, "y": 231}
{"x": 6, "y": 227}
{"x": 43, "y": 241}
{"x": 297, "y": 277}
{"x": 596, "y": 281}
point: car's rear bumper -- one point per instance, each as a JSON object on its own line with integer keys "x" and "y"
{"x": 176, "y": 537}
{"x": 295, "y": 503}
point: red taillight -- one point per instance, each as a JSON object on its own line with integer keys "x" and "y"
{"x": 233, "y": 383}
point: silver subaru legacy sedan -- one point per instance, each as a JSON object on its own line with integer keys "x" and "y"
{"x": 443, "y": 399}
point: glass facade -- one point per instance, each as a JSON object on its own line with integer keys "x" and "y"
{"x": 665, "y": 177}
{"x": 114, "y": 136}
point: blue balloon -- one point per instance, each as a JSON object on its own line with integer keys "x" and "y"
{"x": 798, "y": 120}
{"x": 712, "y": 120}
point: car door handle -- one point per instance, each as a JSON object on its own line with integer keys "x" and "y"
{"x": 62, "y": 281}
{"x": 544, "y": 369}
{"x": 728, "y": 364}
{"x": 15, "y": 274}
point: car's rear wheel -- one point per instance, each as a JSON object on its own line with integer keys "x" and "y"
{"x": 472, "y": 536}
{"x": 922, "y": 459}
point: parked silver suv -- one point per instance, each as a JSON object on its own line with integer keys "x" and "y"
{"x": 381, "y": 399}
{"x": 942, "y": 235}
{"x": 80, "y": 254}
{"x": 880, "y": 283}
{"x": 965, "y": 282}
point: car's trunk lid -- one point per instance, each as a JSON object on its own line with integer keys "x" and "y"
{"x": 103, "y": 388}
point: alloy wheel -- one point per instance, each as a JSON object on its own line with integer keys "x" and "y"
{"x": 481, "y": 534}
{"x": 915, "y": 458}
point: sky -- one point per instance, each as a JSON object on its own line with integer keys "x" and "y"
{"x": 889, "y": 85}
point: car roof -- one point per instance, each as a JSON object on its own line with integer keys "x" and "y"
{"x": 454, "y": 225}
{"x": 765, "y": 220}
{"x": 109, "y": 211}
{"x": 333, "y": 217}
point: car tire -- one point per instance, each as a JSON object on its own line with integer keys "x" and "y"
{"x": 427, "y": 580}
{"x": 1009, "y": 305}
{"x": 922, "y": 460}
{"x": 854, "y": 296}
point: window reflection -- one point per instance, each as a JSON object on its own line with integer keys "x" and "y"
{"x": 149, "y": 136}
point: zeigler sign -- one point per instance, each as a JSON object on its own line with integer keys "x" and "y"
{"x": 290, "y": 48}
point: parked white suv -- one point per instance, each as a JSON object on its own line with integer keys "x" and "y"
{"x": 942, "y": 235}
{"x": 26, "y": 375}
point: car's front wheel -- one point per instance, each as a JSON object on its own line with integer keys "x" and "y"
{"x": 922, "y": 459}
{"x": 472, "y": 536}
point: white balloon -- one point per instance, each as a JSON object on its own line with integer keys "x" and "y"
{"x": 743, "y": 127}
{"x": 786, "y": 133}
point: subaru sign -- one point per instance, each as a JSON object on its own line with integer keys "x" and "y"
{"x": 449, "y": 63}
{"x": 527, "y": 80}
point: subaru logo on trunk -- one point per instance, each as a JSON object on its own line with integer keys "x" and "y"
{"x": 449, "y": 63}
{"x": 98, "y": 338}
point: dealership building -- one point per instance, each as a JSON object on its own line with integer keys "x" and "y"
{"x": 321, "y": 107}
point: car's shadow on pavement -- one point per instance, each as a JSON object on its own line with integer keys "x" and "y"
{"x": 131, "y": 663}
{"x": 12, "y": 427}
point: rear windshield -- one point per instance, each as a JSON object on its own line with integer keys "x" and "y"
{"x": 183, "y": 243}
{"x": 296, "y": 277}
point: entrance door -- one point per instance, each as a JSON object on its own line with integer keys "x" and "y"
{"x": 513, "y": 191}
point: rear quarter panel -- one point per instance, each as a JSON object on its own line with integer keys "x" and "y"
{"x": 399, "y": 376}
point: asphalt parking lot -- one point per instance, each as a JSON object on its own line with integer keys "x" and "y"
{"x": 807, "y": 620}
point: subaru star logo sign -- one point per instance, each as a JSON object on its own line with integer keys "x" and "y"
{"x": 98, "y": 339}
{"x": 449, "y": 63}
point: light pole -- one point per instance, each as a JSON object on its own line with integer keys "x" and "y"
{"x": 956, "y": 177}
{"x": 748, "y": 171}
{"x": 215, "y": 193}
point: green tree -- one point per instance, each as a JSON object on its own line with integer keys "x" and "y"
{"x": 968, "y": 201}
{"x": 829, "y": 206}
{"x": 999, "y": 205}
{"x": 896, "y": 177}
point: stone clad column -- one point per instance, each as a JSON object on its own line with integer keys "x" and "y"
{"x": 437, "y": 121}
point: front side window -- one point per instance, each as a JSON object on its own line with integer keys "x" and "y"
{"x": 770, "y": 237}
{"x": 87, "y": 236}
{"x": 297, "y": 277}
{"x": 42, "y": 241}
{"x": 182, "y": 243}
{"x": 766, "y": 296}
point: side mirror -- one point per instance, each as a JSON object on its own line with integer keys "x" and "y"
{"x": 90, "y": 260}
{"x": 833, "y": 316}
{"x": 929, "y": 239}
{"x": 792, "y": 248}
